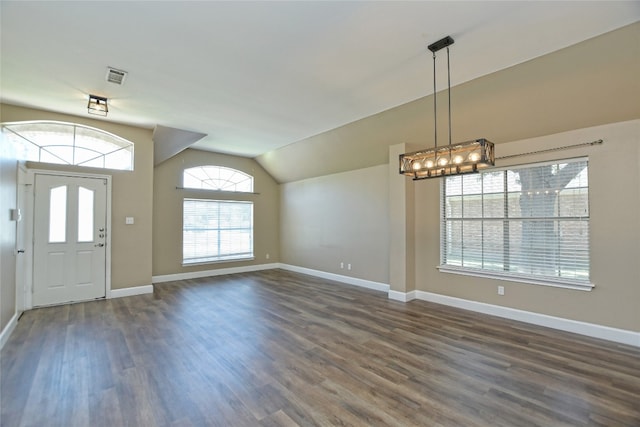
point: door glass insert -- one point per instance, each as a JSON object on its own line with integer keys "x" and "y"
{"x": 85, "y": 215}
{"x": 58, "y": 214}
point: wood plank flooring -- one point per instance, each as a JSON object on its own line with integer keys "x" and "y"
{"x": 276, "y": 348}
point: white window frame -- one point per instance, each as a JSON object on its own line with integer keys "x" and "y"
{"x": 219, "y": 255}
{"x": 563, "y": 282}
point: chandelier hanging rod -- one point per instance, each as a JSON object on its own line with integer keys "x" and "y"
{"x": 434, "y": 47}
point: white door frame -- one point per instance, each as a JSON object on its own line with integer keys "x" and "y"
{"x": 24, "y": 238}
{"x": 29, "y": 180}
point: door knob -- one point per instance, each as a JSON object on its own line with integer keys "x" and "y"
{"x": 99, "y": 245}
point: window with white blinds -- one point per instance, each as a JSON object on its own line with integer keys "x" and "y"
{"x": 215, "y": 230}
{"x": 526, "y": 224}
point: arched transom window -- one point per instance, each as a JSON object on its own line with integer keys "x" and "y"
{"x": 69, "y": 144}
{"x": 217, "y": 178}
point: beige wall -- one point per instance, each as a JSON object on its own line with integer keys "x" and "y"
{"x": 614, "y": 188}
{"x": 338, "y": 218}
{"x": 8, "y": 185}
{"x": 167, "y": 234}
{"x": 132, "y": 193}
{"x": 591, "y": 83}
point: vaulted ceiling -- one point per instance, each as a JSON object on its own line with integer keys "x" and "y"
{"x": 256, "y": 76}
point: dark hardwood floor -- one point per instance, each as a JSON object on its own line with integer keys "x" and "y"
{"x": 276, "y": 348}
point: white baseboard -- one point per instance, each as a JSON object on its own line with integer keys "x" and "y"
{"x": 210, "y": 273}
{"x": 583, "y": 328}
{"x": 6, "y": 332}
{"x": 128, "y": 292}
{"x": 377, "y": 286}
{"x": 402, "y": 296}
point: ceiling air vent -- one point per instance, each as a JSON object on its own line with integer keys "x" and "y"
{"x": 116, "y": 76}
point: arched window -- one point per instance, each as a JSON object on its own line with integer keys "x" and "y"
{"x": 69, "y": 144}
{"x": 217, "y": 178}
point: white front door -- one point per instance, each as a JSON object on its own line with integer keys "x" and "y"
{"x": 69, "y": 232}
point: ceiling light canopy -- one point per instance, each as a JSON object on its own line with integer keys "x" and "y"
{"x": 97, "y": 105}
{"x": 451, "y": 159}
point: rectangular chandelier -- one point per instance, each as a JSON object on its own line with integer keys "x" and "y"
{"x": 455, "y": 159}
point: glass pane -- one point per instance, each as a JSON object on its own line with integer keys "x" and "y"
{"x": 574, "y": 202}
{"x": 493, "y": 182}
{"x": 574, "y": 249}
{"x": 493, "y": 250}
{"x": 454, "y": 207}
{"x": 97, "y": 162}
{"x": 472, "y": 206}
{"x": 577, "y": 172}
{"x": 493, "y": 205}
{"x": 453, "y": 185}
{"x": 58, "y": 214}
{"x": 472, "y": 244}
{"x": 472, "y": 184}
{"x": 83, "y": 155}
{"x": 513, "y": 181}
{"x": 453, "y": 243}
{"x": 85, "y": 215}
{"x": 56, "y": 155}
{"x": 235, "y": 242}
{"x": 513, "y": 202}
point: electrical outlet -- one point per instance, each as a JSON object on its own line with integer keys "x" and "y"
{"x": 267, "y": 256}
{"x": 500, "y": 290}
{"x": 342, "y": 265}
{"x": 348, "y": 266}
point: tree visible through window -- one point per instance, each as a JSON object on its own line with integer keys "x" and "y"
{"x": 526, "y": 222}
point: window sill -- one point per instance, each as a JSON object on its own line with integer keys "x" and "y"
{"x": 218, "y": 261}
{"x": 560, "y": 283}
